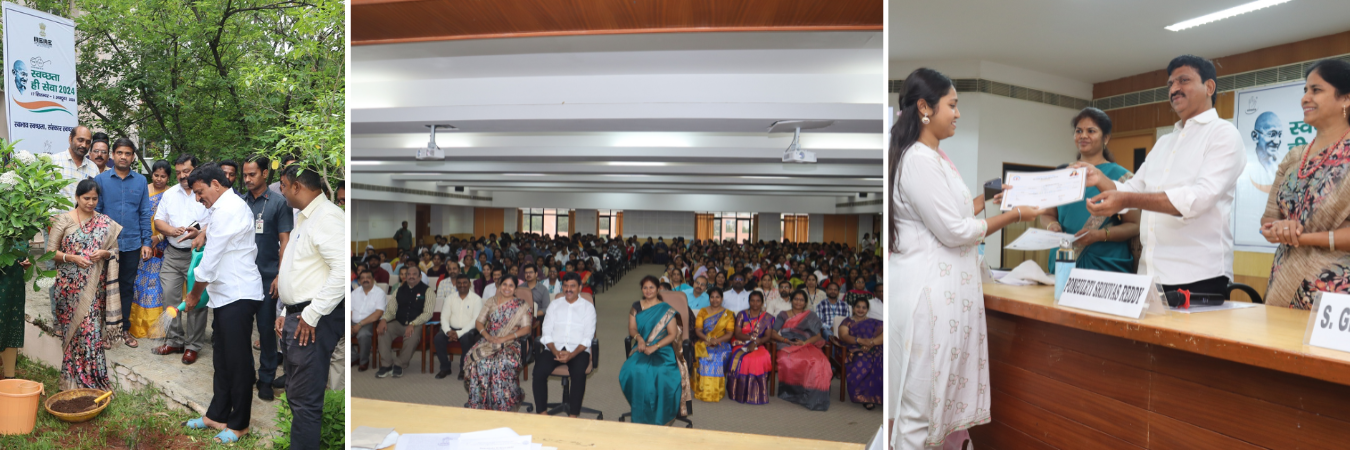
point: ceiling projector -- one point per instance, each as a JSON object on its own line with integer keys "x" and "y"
{"x": 433, "y": 152}
{"x": 794, "y": 152}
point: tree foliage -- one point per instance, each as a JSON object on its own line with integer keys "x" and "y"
{"x": 215, "y": 78}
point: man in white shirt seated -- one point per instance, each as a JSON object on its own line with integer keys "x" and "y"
{"x": 490, "y": 290}
{"x": 367, "y": 307}
{"x": 459, "y": 312}
{"x": 738, "y": 298}
{"x": 569, "y": 328}
{"x": 1187, "y": 213}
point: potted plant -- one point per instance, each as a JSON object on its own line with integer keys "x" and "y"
{"x": 30, "y": 194}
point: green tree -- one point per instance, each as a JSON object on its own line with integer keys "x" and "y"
{"x": 214, "y": 78}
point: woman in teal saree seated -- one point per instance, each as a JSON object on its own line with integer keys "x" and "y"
{"x": 653, "y": 378}
{"x": 1105, "y": 241}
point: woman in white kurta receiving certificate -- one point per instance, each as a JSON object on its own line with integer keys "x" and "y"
{"x": 939, "y": 370}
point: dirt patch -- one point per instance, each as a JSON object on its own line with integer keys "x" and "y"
{"x": 74, "y": 405}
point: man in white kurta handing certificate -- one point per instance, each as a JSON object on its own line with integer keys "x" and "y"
{"x": 1044, "y": 189}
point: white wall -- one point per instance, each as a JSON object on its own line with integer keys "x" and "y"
{"x": 379, "y": 220}
{"x": 509, "y": 220}
{"x": 1023, "y": 132}
{"x": 585, "y": 222}
{"x": 864, "y": 226}
{"x": 996, "y": 72}
{"x": 815, "y": 228}
{"x": 451, "y": 220}
{"x": 770, "y": 226}
{"x": 654, "y": 224}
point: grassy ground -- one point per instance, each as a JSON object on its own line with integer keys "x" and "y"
{"x": 134, "y": 420}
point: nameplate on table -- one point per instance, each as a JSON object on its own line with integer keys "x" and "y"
{"x": 1329, "y": 324}
{"x": 1115, "y": 293}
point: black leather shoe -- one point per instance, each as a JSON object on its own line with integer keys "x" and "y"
{"x": 442, "y": 374}
{"x": 265, "y": 392}
{"x": 279, "y": 382}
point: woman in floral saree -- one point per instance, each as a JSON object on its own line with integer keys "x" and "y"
{"x": 491, "y": 366}
{"x": 714, "y": 327}
{"x": 85, "y": 299}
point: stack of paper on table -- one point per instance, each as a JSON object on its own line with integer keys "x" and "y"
{"x": 494, "y": 439}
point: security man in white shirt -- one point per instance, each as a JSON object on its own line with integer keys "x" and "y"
{"x": 569, "y": 328}
{"x": 1185, "y": 188}
{"x": 312, "y": 284}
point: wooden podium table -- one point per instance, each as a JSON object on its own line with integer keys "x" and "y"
{"x": 1237, "y": 379}
{"x": 566, "y": 433}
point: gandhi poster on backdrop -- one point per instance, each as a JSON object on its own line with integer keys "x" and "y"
{"x": 1270, "y": 120}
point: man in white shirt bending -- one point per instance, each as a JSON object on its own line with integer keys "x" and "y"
{"x": 459, "y": 312}
{"x": 229, "y": 276}
{"x": 367, "y": 307}
{"x": 1185, "y": 188}
{"x": 178, "y": 211}
{"x": 569, "y": 328}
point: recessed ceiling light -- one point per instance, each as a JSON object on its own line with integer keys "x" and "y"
{"x": 1230, "y": 12}
{"x": 765, "y": 178}
{"x": 628, "y": 175}
{"x": 523, "y": 174}
{"x": 366, "y": 163}
{"x": 635, "y": 163}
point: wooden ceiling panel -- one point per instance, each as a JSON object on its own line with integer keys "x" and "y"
{"x": 399, "y": 21}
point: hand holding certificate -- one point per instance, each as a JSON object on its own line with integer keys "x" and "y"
{"x": 1044, "y": 189}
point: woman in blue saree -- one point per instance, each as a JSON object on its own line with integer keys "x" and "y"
{"x": 653, "y": 377}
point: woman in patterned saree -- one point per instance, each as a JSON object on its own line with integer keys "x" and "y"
{"x": 490, "y": 367}
{"x": 653, "y": 377}
{"x": 149, "y": 302}
{"x": 863, "y": 372}
{"x": 1311, "y": 200}
{"x": 85, "y": 299}
{"x": 749, "y": 364}
{"x": 714, "y": 326}
{"x": 803, "y": 370}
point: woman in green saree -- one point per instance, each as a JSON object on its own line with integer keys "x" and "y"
{"x": 653, "y": 378}
{"x": 1105, "y": 241}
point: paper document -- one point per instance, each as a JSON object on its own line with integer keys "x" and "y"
{"x": 1037, "y": 239}
{"x": 1225, "y": 306}
{"x": 429, "y": 441}
{"x": 1044, "y": 189}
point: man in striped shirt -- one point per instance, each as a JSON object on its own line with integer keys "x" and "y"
{"x": 73, "y": 162}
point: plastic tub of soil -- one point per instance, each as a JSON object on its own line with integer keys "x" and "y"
{"x": 77, "y": 405}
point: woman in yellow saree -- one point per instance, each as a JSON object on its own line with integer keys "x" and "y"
{"x": 713, "y": 325}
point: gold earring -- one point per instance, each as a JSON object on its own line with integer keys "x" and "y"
{"x": 924, "y": 119}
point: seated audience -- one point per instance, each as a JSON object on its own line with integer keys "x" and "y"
{"x": 368, "y": 303}
{"x": 714, "y": 326}
{"x": 459, "y": 311}
{"x": 407, "y": 309}
{"x": 862, "y": 335}
{"x": 749, "y": 364}
{"x": 490, "y": 366}
{"x": 803, "y": 370}
{"x": 653, "y": 378}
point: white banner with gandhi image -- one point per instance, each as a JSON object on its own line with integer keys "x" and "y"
{"x": 1270, "y": 120}
{"x": 40, "y": 105}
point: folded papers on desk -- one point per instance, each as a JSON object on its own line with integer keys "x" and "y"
{"x": 494, "y": 439}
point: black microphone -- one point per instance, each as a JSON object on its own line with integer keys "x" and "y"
{"x": 1185, "y": 298}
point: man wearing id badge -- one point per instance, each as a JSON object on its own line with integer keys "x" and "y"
{"x": 272, "y": 224}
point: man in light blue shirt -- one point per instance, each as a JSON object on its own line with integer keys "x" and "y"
{"x": 698, "y": 296}
{"x": 126, "y": 199}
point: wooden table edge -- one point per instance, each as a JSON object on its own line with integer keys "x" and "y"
{"x": 1299, "y": 363}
